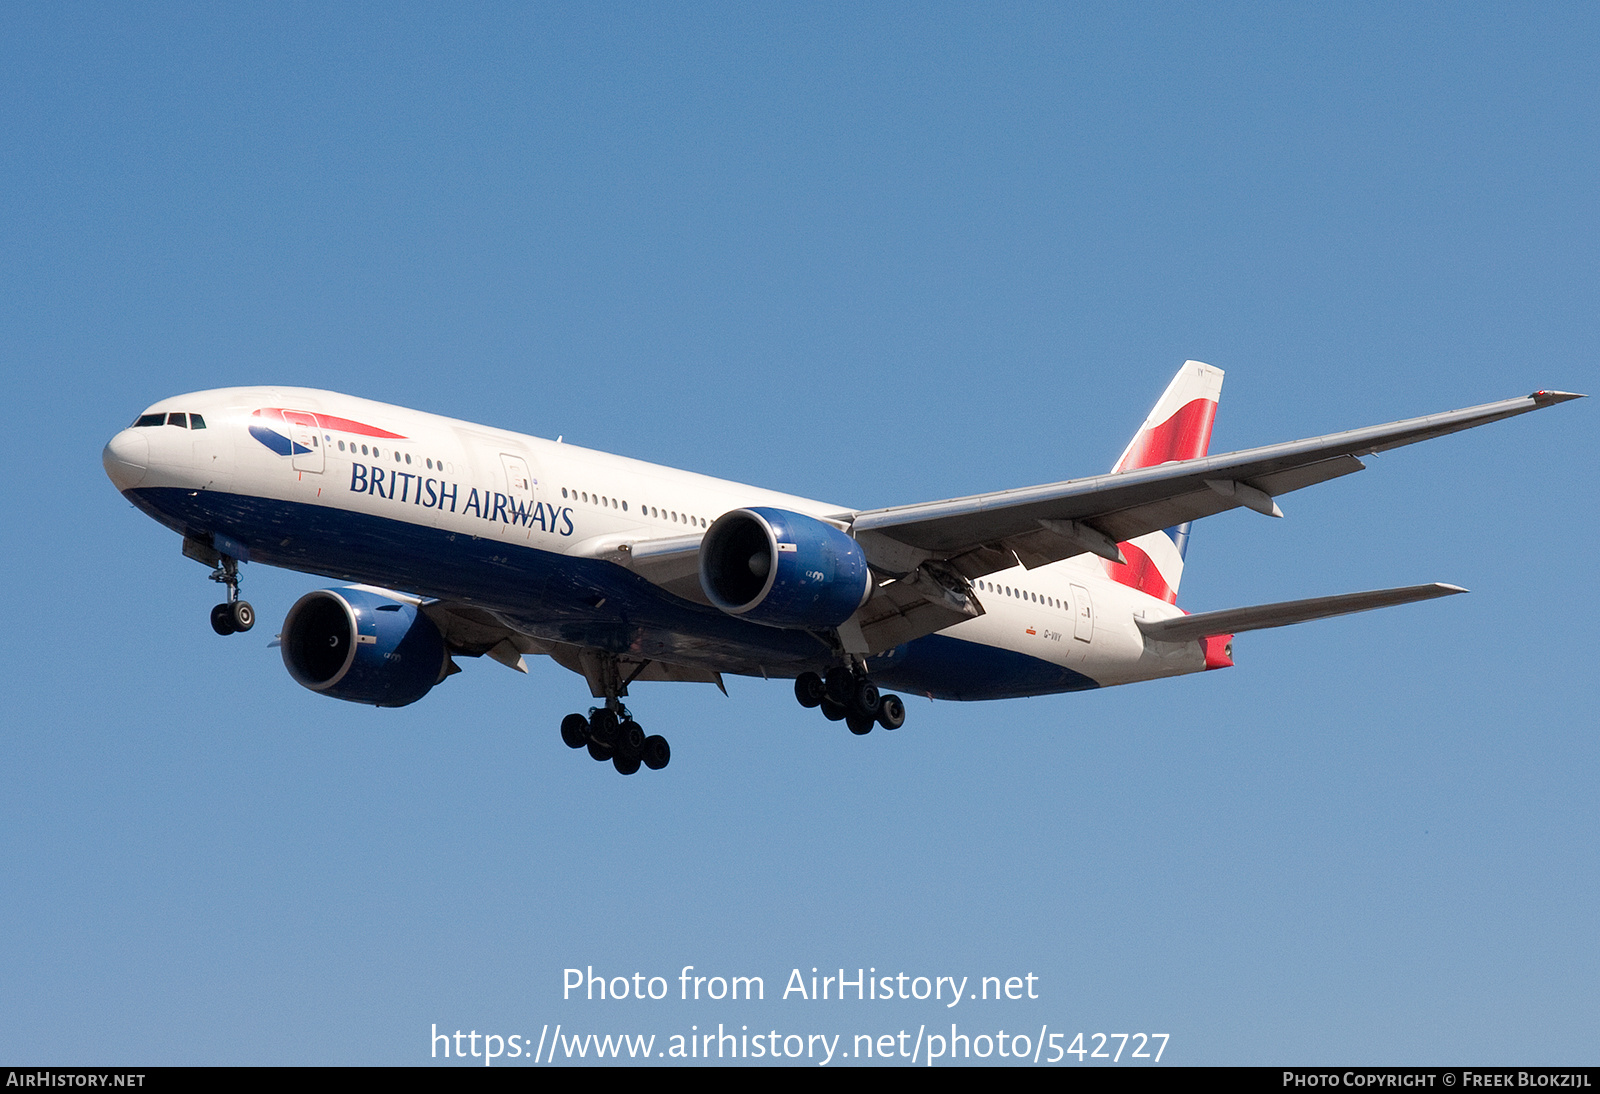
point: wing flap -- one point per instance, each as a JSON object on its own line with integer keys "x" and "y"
{"x": 920, "y": 604}
{"x": 1287, "y": 612}
{"x": 630, "y": 669}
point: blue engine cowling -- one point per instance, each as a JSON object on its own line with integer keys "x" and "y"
{"x": 783, "y": 569}
{"x": 355, "y": 645}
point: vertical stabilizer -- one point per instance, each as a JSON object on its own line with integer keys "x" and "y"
{"x": 1179, "y": 428}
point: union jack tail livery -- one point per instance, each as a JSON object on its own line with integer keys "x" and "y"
{"x": 1179, "y": 428}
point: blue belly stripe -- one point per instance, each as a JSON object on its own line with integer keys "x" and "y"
{"x": 555, "y": 597}
{"x": 950, "y": 668}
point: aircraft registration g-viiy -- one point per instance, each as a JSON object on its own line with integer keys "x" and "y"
{"x": 464, "y": 540}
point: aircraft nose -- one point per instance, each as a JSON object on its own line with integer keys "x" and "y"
{"x": 126, "y": 459}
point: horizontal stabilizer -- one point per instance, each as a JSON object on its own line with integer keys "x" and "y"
{"x": 1262, "y": 616}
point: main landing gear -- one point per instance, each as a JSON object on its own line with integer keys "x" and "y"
{"x": 234, "y": 615}
{"x": 848, "y": 695}
{"x": 610, "y": 733}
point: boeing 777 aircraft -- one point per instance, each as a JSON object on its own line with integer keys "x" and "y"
{"x": 464, "y": 540}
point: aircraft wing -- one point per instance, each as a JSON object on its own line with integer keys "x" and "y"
{"x": 1036, "y": 525}
{"x": 924, "y": 554}
{"x": 473, "y": 632}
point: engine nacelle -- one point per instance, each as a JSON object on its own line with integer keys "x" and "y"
{"x": 355, "y": 645}
{"x": 783, "y": 569}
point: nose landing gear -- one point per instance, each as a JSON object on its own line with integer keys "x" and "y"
{"x": 234, "y": 615}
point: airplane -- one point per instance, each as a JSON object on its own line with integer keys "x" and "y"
{"x": 462, "y": 540}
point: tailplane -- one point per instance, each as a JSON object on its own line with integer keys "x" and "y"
{"x": 1179, "y": 428}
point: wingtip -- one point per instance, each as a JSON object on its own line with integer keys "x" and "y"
{"x": 1550, "y": 398}
{"x": 1447, "y": 589}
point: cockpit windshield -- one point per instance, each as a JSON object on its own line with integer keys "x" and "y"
{"x": 177, "y": 418}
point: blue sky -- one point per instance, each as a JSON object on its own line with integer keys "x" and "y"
{"x": 869, "y": 254}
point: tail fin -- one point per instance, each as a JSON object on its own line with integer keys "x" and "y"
{"x": 1179, "y": 428}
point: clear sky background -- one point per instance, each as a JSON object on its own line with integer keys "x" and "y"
{"x": 871, "y": 254}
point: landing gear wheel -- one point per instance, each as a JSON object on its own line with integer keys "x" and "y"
{"x": 860, "y": 724}
{"x": 609, "y": 731}
{"x": 629, "y": 744}
{"x": 832, "y": 711}
{"x": 891, "y": 712}
{"x": 603, "y": 730}
{"x": 243, "y": 616}
{"x": 864, "y": 699}
{"x": 809, "y": 689}
{"x": 222, "y": 619}
{"x": 575, "y": 731}
{"x": 841, "y": 684}
{"x": 656, "y": 753}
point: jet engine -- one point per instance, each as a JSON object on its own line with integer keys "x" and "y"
{"x": 783, "y": 569}
{"x": 356, "y": 645}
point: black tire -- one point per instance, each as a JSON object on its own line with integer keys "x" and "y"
{"x": 599, "y": 752}
{"x": 222, "y": 619}
{"x": 832, "y": 711}
{"x": 808, "y": 689}
{"x": 841, "y": 684}
{"x": 864, "y": 699}
{"x": 859, "y": 724}
{"x": 625, "y": 765}
{"x": 630, "y": 742}
{"x": 575, "y": 731}
{"x": 603, "y": 729}
{"x": 242, "y": 614}
{"x": 657, "y": 753}
{"x": 891, "y": 712}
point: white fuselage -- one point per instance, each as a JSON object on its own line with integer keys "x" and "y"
{"x": 397, "y": 486}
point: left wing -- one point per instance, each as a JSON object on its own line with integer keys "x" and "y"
{"x": 1036, "y": 525}
{"x": 924, "y": 556}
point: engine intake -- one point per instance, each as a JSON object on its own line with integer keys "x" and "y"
{"x": 783, "y": 569}
{"x": 364, "y": 648}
